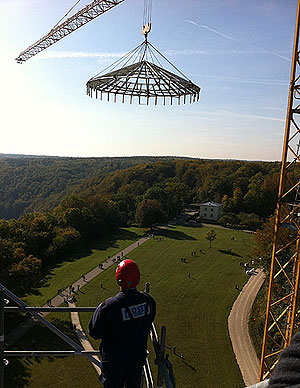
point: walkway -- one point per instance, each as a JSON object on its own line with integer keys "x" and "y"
{"x": 238, "y": 329}
{"x": 85, "y": 343}
{"x": 22, "y": 329}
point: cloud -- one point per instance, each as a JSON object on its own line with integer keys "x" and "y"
{"x": 272, "y": 53}
{"x": 52, "y": 54}
{"x": 237, "y": 40}
{"x": 220, "y": 114}
{"x": 212, "y": 30}
{"x": 248, "y": 80}
{"x": 191, "y": 52}
{"x": 246, "y": 115}
{"x": 251, "y": 51}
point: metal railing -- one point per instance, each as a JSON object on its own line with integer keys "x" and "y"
{"x": 165, "y": 373}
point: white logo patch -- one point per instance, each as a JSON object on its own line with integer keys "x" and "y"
{"x": 137, "y": 311}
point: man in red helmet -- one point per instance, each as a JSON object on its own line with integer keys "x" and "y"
{"x": 123, "y": 323}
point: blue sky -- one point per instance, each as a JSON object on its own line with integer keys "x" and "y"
{"x": 239, "y": 53}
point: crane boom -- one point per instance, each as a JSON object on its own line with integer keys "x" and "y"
{"x": 83, "y": 16}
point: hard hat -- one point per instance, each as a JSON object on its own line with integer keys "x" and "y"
{"x": 127, "y": 274}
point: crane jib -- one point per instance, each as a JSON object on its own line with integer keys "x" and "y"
{"x": 82, "y": 17}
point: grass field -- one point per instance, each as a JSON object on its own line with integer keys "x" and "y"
{"x": 65, "y": 273}
{"x": 194, "y": 309}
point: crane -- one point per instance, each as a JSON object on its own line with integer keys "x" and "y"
{"x": 82, "y": 17}
{"x": 282, "y": 302}
{"x": 283, "y": 293}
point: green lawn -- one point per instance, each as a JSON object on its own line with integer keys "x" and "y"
{"x": 49, "y": 372}
{"x": 195, "y": 309}
{"x": 68, "y": 271}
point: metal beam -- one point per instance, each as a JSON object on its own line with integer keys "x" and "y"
{"x": 63, "y": 336}
{"x": 1, "y": 337}
{"x": 85, "y": 15}
{"x": 46, "y": 353}
{"x": 50, "y": 309}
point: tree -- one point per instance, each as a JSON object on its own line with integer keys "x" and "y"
{"x": 26, "y": 273}
{"x": 211, "y": 236}
{"x": 229, "y": 220}
{"x": 264, "y": 243}
{"x": 237, "y": 200}
{"x": 249, "y": 221}
{"x": 150, "y": 212}
{"x": 65, "y": 240}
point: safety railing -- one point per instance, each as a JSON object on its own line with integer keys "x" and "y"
{"x": 165, "y": 372}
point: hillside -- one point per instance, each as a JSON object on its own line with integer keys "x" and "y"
{"x": 248, "y": 187}
{"x": 33, "y": 183}
{"x": 30, "y": 183}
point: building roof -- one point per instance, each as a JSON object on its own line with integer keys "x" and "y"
{"x": 211, "y": 203}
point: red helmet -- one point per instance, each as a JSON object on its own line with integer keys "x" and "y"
{"x": 128, "y": 274}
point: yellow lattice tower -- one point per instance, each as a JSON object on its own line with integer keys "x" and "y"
{"x": 281, "y": 313}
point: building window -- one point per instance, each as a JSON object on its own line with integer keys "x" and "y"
{"x": 211, "y": 216}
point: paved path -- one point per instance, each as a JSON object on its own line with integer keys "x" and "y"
{"x": 22, "y": 329}
{"x": 85, "y": 343}
{"x": 238, "y": 329}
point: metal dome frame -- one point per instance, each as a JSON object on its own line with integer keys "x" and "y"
{"x": 141, "y": 75}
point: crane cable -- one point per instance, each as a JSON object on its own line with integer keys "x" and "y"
{"x": 147, "y": 18}
{"x": 73, "y": 6}
{"x": 147, "y": 11}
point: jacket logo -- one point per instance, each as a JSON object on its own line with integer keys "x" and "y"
{"x": 137, "y": 311}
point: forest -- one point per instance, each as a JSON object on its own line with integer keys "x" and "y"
{"x": 77, "y": 201}
{"x": 34, "y": 183}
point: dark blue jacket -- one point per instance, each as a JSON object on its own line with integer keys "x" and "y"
{"x": 123, "y": 323}
{"x": 287, "y": 372}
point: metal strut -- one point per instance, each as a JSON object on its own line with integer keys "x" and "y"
{"x": 281, "y": 312}
{"x": 83, "y": 16}
{"x": 165, "y": 372}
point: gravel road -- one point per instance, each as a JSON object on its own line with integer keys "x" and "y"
{"x": 238, "y": 329}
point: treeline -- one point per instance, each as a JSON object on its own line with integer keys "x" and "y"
{"x": 247, "y": 190}
{"x": 35, "y": 183}
{"x": 39, "y": 240}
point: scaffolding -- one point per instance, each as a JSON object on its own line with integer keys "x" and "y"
{"x": 165, "y": 372}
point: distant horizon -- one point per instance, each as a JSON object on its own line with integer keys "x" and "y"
{"x": 8, "y": 155}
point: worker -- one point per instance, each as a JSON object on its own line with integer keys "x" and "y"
{"x": 123, "y": 323}
{"x": 287, "y": 372}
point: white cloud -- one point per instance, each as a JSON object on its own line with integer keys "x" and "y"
{"x": 248, "y": 116}
{"x": 266, "y": 81}
{"x": 52, "y": 54}
{"x": 238, "y": 40}
{"x": 212, "y": 30}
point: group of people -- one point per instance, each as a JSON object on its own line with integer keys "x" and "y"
{"x": 70, "y": 290}
{"x": 69, "y": 297}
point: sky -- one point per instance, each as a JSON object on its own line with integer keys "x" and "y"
{"x": 239, "y": 52}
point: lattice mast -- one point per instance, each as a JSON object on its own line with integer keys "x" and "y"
{"x": 282, "y": 302}
{"x": 82, "y": 17}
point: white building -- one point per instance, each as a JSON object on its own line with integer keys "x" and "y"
{"x": 210, "y": 211}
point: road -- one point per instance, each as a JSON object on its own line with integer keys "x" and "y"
{"x": 238, "y": 329}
